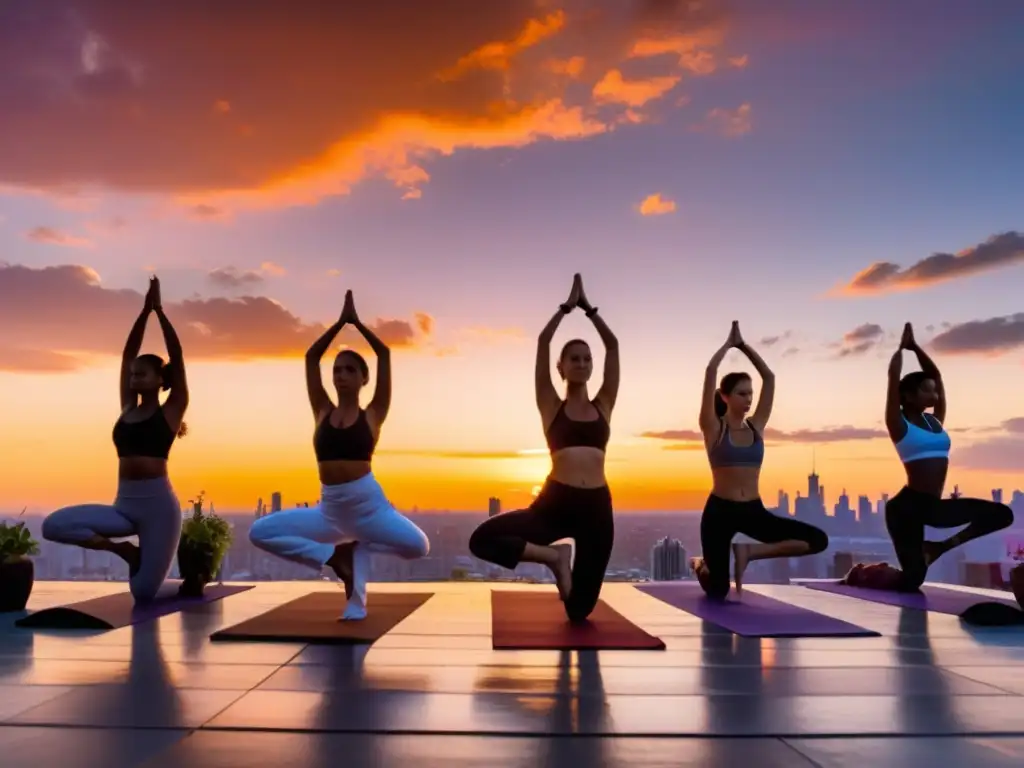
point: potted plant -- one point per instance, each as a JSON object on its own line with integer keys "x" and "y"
{"x": 17, "y": 574}
{"x": 205, "y": 539}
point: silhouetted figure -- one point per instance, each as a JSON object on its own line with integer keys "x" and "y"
{"x": 735, "y": 446}
{"x": 575, "y": 502}
{"x": 353, "y": 518}
{"x": 145, "y": 505}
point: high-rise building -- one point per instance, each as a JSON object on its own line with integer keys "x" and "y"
{"x": 493, "y": 506}
{"x": 260, "y": 509}
{"x": 997, "y": 495}
{"x": 668, "y": 560}
{"x": 275, "y": 501}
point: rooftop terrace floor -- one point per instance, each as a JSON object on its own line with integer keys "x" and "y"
{"x": 433, "y": 692}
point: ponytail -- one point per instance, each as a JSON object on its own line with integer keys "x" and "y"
{"x": 720, "y": 407}
{"x": 182, "y": 430}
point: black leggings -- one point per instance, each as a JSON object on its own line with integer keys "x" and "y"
{"x": 909, "y": 511}
{"x": 559, "y": 512}
{"x": 723, "y": 519}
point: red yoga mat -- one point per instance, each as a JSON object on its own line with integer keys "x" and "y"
{"x": 537, "y": 621}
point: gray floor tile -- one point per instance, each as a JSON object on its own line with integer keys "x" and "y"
{"x": 224, "y": 749}
{"x": 142, "y": 706}
{"x": 30, "y": 747}
{"x": 990, "y": 752}
{"x": 15, "y": 699}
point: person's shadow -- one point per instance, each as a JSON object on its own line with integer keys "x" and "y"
{"x": 577, "y": 708}
{"x": 732, "y": 677}
{"x": 925, "y": 699}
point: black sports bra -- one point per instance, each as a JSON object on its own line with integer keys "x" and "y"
{"x": 564, "y": 432}
{"x": 352, "y": 443}
{"x": 150, "y": 438}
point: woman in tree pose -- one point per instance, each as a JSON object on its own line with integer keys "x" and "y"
{"x": 922, "y": 444}
{"x": 354, "y": 517}
{"x": 575, "y": 501}
{"x": 735, "y": 446}
{"x": 145, "y": 505}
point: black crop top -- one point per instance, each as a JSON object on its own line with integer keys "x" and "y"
{"x": 352, "y": 443}
{"x": 564, "y": 432}
{"x": 151, "y": 438}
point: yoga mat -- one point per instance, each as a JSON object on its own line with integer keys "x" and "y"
{"x": 536, "y": 620}
{"x": 753, "y": 615}
{"x": 929, "y": 598}
{"x": 316, "y": 618}
{"x": 120, "y": 610}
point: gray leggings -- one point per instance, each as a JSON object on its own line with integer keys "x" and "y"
{"x": 144, "y": 508}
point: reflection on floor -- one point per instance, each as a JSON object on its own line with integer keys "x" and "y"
{"x": 434, "y": 693}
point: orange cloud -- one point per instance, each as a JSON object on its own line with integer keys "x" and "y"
{"x": 228, "y": 107}
{"x": 58, "y": 318}
{"x": 613, "y": 88}
{"x": 656, "y": 205}
{"x": 51, "y": 236}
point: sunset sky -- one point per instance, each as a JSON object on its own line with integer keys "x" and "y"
{"x": 821, "y": 171}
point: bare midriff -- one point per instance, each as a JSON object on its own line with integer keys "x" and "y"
{"x": 736, "y": 483}
{"x": 927, "y": 475}
{"x": 342, "y": 471}
{"x": 141, "y": 468}
{"x": 578, "y": 466}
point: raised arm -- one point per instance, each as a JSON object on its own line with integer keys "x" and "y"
{"x": 318, "y": 398}
{"x": 548, "y": 399}
{"x": 609, "y": 391}
{"x": 894, "y": 422}
{"x": 381, "y": 402}
{"x": 766, "y": 400}
{"x": 931, "y": 370}
{"x": 131, "y": 350}
{"x": 708, "y": 419}
{"x": 177, "y": 399}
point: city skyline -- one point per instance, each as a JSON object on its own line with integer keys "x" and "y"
{"x": 822, "y": 173}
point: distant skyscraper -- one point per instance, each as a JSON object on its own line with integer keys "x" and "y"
{"x": 275, "y": 501}
{"x": 997, "y": 495}
{"x": 260, "y": 509}
{"x": 493, "y": 506}
{"x": 668, "y": 560}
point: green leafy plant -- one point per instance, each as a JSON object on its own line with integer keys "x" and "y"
{"x": 16, "y": 541}
{"x": 207, "y": 529}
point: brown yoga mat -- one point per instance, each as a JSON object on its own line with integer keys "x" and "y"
{"x": 316, "y": 618}
{"x": 537, "y": 620}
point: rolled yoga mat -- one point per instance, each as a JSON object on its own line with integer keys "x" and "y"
{"x": 537, "y": 621}
{"x": 753, "y": 615}
{"x": 929, "y": 598}
{"x": 120, "y": 609}
{"x": 316, "y": 618}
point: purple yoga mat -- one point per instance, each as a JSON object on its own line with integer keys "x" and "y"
{"x": 930, "y": 598}
{"x": 120, "y": 610}
{"x": 753, "y": 615}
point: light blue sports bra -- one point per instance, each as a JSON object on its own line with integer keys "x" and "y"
{"x": 919, "y": 443}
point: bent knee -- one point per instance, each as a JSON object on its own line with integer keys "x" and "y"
{"x": 715, "y": 588}
{"x": 817, "y": 541}
{"x": 420, "y": 547}
{"x": 1003, "y": 516}
{"x": 258, "y": 535}
{"x": 479, "y": 544}
{"x": 51, "y": 529}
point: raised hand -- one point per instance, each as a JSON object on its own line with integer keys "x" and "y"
{"x": 574, "y": 294}
{"x": 582, "y": 302}
{"x": 348, "y": 312}
{"x": 153, "y": 300}
{"x": 907, "y": 341}
{"x": 735, "y": 337}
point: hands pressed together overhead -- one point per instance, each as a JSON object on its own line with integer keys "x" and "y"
{"x": 578, "y": 298}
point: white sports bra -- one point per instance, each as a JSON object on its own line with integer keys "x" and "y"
{"x": 919, "y": 443}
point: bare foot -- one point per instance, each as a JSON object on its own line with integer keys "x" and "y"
{"x": 932, "y": 552}
{"x": 562, "y": 568}
{"x": 741, "y": 556}
{"x": 341, "y": 564}
{"x": 129, "y": 553}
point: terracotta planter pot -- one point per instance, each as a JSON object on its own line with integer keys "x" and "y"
{"x": 16, "y": 580}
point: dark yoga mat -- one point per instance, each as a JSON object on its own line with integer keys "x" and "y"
{"x": 120, "y": 610}
{"x": 929, "y": 598}
{"x": 316, "y": 618}
{"x": 753, "y": 615}
{"x": 536, "y": 620}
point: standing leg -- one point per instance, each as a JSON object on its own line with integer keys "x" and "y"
{"x": 524, "y": 536}
{"x": 302, "y": 535}
{"x": 904, "y": 519}
{"x": 779, "y": 536}
{"x": 981, "y": 518}
{"x": 717, "y": 528}
{"x": 594, "y": 534}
